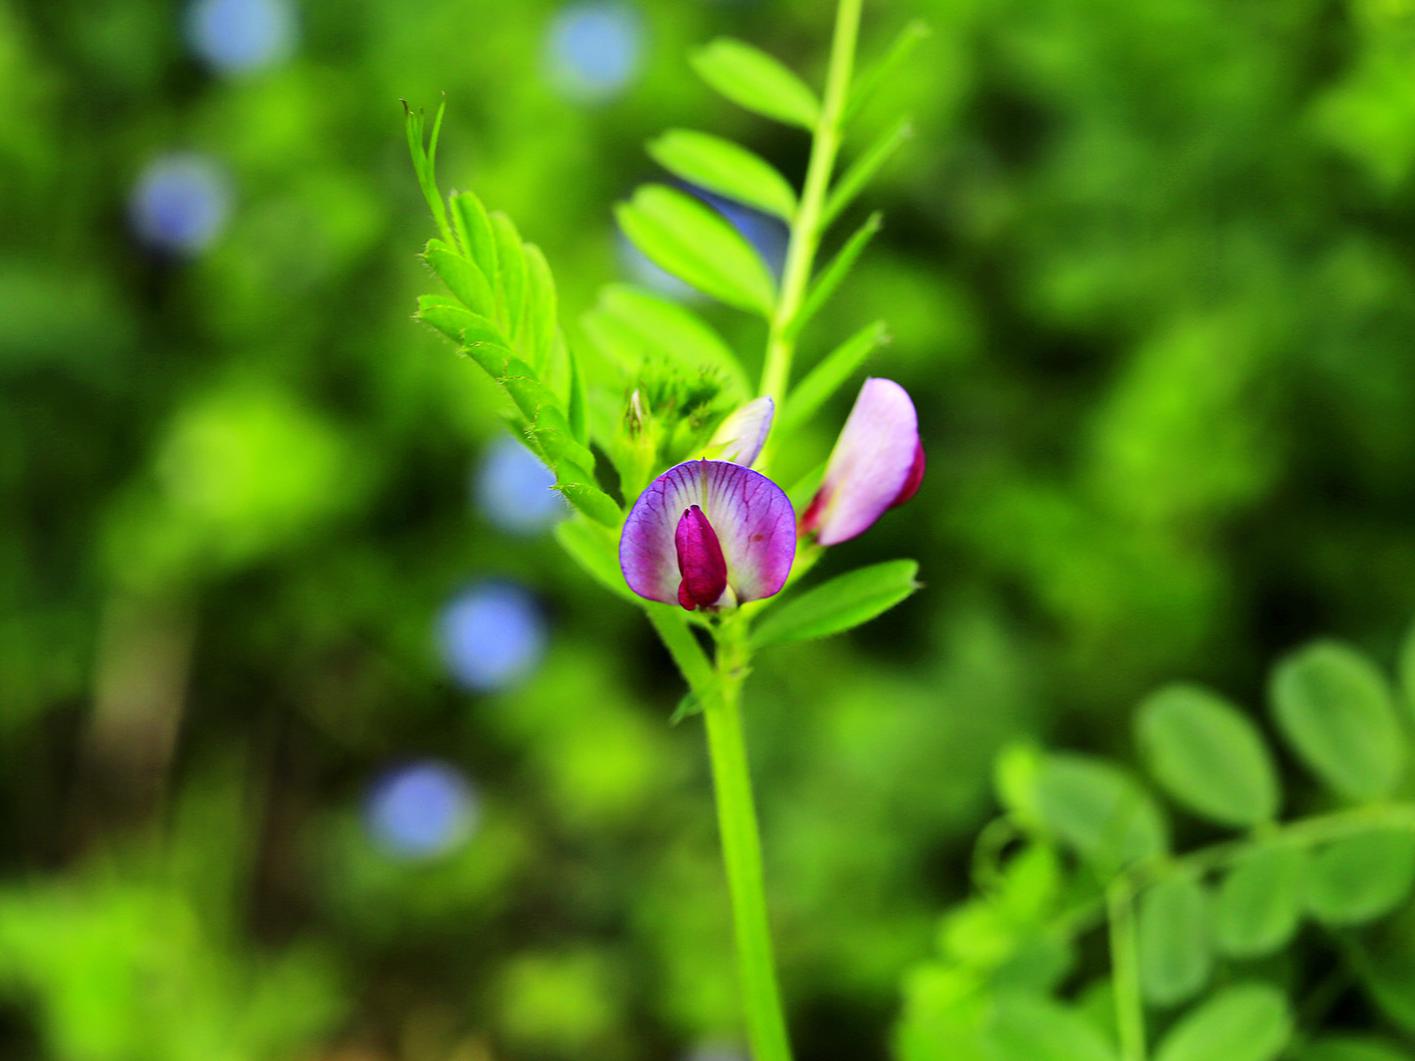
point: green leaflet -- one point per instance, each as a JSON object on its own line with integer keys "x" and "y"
{"x": 1351, "y": 1048}
{"x": 511, "y": 275}
{"x": 595, "y": 549}
{"x": 904, "y": 44}
{"x": 695, "y": 244}
{"x": 635, "y": 326}
{"x": 752, "y": 79}
{"x": 1176, "y": 954}
{"x": 854, "y": 180}
{"x": 1090, "y": 805}
{"x": 1207, "y": 755}
{"x": 455, "y": 321}
{"x": 830, "y": 279}
{"x": 462, "y": 278}
{"x": 475, "y": 234}
{"x": 1247, "y": 1022}
{"x": 726, "y": 168}
{"x": 1361, "y": 877}
{"x": 844, "y": 602}
{"x": 1260, "y": 901}
{"x": 1039, "y": 1029}
{"x": 1336, "y": 709}
{"x": 834, "y": 370}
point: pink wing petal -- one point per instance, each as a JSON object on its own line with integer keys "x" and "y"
{"x": 742, "y": 435}
{"x": 877, "y": 463}
{"x": 750, "y": 515}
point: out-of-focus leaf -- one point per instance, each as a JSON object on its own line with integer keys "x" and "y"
{"x": 1173, "y": 930}
{"x": 859, "y": 174}
{"x": 1088, "y": 804}
{"x": 695, "y": 244}
{"x": 425, "y": 163}
{"x": 1350, "y": 1048}
{"x": 595, "y": 549}
{"x": 841, "y": 604}
{"x": 835, "y": 273}
{"x": 1388, "y": 974}
{"x": 1407, "y": 672}
{"x": 1335, "y": 707}
{"x": 1260, "y": 901}
{"x": 751, "y": 78}
{"x": 872, "y": 79}
{"x": 1247, "y": 1022}
{"x": 462, "y": 278}
{"x": 1359, "y": 878}
{"x": 642, "y": 326}
{"x": 1207, "y": 755}
{"x": 1039, "y": 1029}
{"x": 725, "y": 168}
{"x": 833, "y": 372}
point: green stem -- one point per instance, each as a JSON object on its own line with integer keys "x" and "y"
{"x": 1129, "y": 1008}
{"x": 741, "y": 850}
{"x": 807, "y": 225}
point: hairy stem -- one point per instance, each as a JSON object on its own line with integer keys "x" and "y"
{"x": 1129, "y": 1008}
{"x": 808, "y": 223}
{"x": 741, "y": 850}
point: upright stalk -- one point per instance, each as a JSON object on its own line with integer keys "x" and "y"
{"x": 806, "y": 226}
{"x": 741, "y": 850}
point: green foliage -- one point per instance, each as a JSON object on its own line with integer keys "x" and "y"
{"x": 1207, "y": 756}
{"x": 1336, "y": 709}
{"x": 752, "y": 79}
{"x": 838, "y": 605}
{"x": 1187, "y": 929}
{"x": 725, "y": 168}
{"x": 695, "y": 244}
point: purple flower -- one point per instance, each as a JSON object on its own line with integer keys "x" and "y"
{"x": 708, "y": 534}
{"x": 742, "y": 435}
{"x": 878, "y": 462}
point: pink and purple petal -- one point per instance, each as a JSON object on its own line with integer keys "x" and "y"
{"x": 749, "y": 516}
{"x": 742, "y": 435}
{"x": 878, "y": 462}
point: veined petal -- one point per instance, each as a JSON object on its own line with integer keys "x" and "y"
{"x": 878, "y": 462}
{"x": 742, "y": 435}
{"x": 748, "y": 514}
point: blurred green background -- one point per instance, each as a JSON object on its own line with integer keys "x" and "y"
{"x": 315, "y": 747}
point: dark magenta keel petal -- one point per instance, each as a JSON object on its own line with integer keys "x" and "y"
{"x": 916, "y": 476}
{"x": 700, "y": 560}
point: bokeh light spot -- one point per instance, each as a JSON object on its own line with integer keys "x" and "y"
{"x": 594, "y": 49}
{"x": 492, "y": 636}
{"x": 234, "y": 36}
{"x": 421, "y": 810}
{"x": 513, "y": 489}
{"x": 180, "y": 203}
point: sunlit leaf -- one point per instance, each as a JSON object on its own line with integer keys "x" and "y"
{"x": 1361, "y": 877}
{"x": 1260, "y": 901}
{"x": 1090, "y": 805}
{"x": 539, "y": 338}
{"x": 456, "y": 321}
{"x": 595, "y": 548}
{"x": 462, "y": 278}
{"x": 872, "y": 79}
{"x": 511, "y": 274}
{"x": 1335, "y": 708}
{"x": 1173, "y": 929}
{"x": 1247, "y": 1022}
{"x": 641, "y": 326}
{"x": 475, "y": 233}
{"x": 830, "y": 279}
{"x": 751, "y": 78}
{"x": 1207, "y": 755}
{"x": 863, "y": 170}
{"x": 1039, "y": 1029}
{"x": 844, "y": 602}
{"x": 695, "y": 244}
{"x": 834, "y": 371}
{"x": 726, "y": 168}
